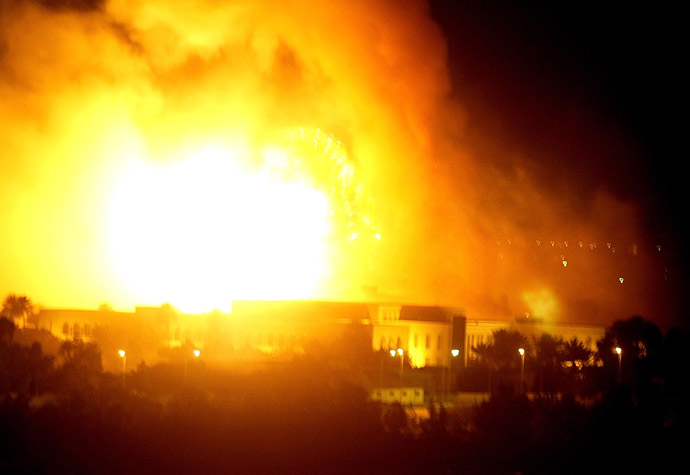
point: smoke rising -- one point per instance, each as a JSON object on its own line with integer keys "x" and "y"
{"x": 86, "y": 85}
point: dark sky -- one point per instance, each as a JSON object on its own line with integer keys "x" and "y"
{"x": 569, "y": 78}
{"x": 591, "y": 92}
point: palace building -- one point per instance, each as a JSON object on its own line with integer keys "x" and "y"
{"x": 255, "y": 329}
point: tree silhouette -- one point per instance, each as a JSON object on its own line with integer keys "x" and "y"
{"x": 576, "y": 353}
{"x": 17, "y": 307}
{"x": 641, "y": 343}
{"x": 7, "y": 328}
{"x": 505, "y": 347}
{"x": 502, "y": 352}
{"x": 547, "y": 353}
{"x": 485, "y": 353}
{"x": 81, "y": 365}
{"x": 637, "y": 337}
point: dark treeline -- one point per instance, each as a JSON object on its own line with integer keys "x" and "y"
{"x": 61, "y": 413}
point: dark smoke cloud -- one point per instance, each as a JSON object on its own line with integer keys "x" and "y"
{"x": 484, "y": 182}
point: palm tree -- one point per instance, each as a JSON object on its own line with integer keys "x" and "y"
{"x": 576, "y": 353}
{"x": 485, "y": 352}
{"x": 548, "y": 350}
{"x": 17, "y": 306}
{"x": 505, "y": 347}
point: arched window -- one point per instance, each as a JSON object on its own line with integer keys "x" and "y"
{"x": 65, "y": 329}
{"x": 77, "y": 332}
{"x": 382, "y": 345}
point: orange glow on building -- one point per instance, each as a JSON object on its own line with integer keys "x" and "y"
{"x": 155, "y": 151}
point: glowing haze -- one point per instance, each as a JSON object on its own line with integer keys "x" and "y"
{"x": 195, "y": 152}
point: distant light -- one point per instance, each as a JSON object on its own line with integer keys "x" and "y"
{"x": 521, "y": 351}
{"x": 455, "y": 352}
{"x": 565, "y": 263}
{"x": 392, "y": 352}
{"x": 400, "y": 351}
{"x": 197, "y": 353}
{"x": 619, "y": 350}
{"x": 621, "y": 280}
{"x": 378, "y": 236}
{"x": 121, "y": 353}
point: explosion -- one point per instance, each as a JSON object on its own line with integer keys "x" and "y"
{"x": 207, "y": 230}
{"x": 195, "y": 152}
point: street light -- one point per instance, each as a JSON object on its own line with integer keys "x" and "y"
{"x": 123, "y": 355}
{"x": 619, "y": 351}
{"x": 399, "y": 352}
{"x": 196, "y": 354}
{"x": 454, "y": 354}
{"x": 522, "y": 369}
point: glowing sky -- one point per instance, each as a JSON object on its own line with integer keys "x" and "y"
{"x": 199, "y": 151}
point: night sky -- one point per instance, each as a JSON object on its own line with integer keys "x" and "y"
{"x": 591, "y": 94}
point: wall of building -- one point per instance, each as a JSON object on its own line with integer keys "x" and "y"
{"x": 425, "y": 334}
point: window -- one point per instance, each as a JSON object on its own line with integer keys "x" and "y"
{"x": 415, "y": 340}
{"x": 439, "y": 341}
{"x": 428, "y": 341}
{"x": 65, "y": 329}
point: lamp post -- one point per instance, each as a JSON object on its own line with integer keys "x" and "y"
{"x": 123, "y": 355}
{"x": 619, "y": 351}
{"x": 454, "y": 354}
{"x": 400, "y": 352}
{"x": 196, "y": 354}
{"x": 381, "y": 372}
{"x": 522, "y": 369}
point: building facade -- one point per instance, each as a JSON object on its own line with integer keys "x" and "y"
{"x": 427, "y": 336}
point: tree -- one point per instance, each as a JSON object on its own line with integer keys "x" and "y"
{"x": 485, "y": 353}
{"x": 547, "y": 349}
{"x": 506, "y": 344}
{"x": 81, "y": 365}
{"x": 7, "y": 328}
{"x": 641, "y": 343}
{"x": 576, "y": 353}
{"x": 575, "y": 357}
{"x": 17, "y": 307}
{"x": 502, "y": 352}
{"x": 638, "y": 337}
